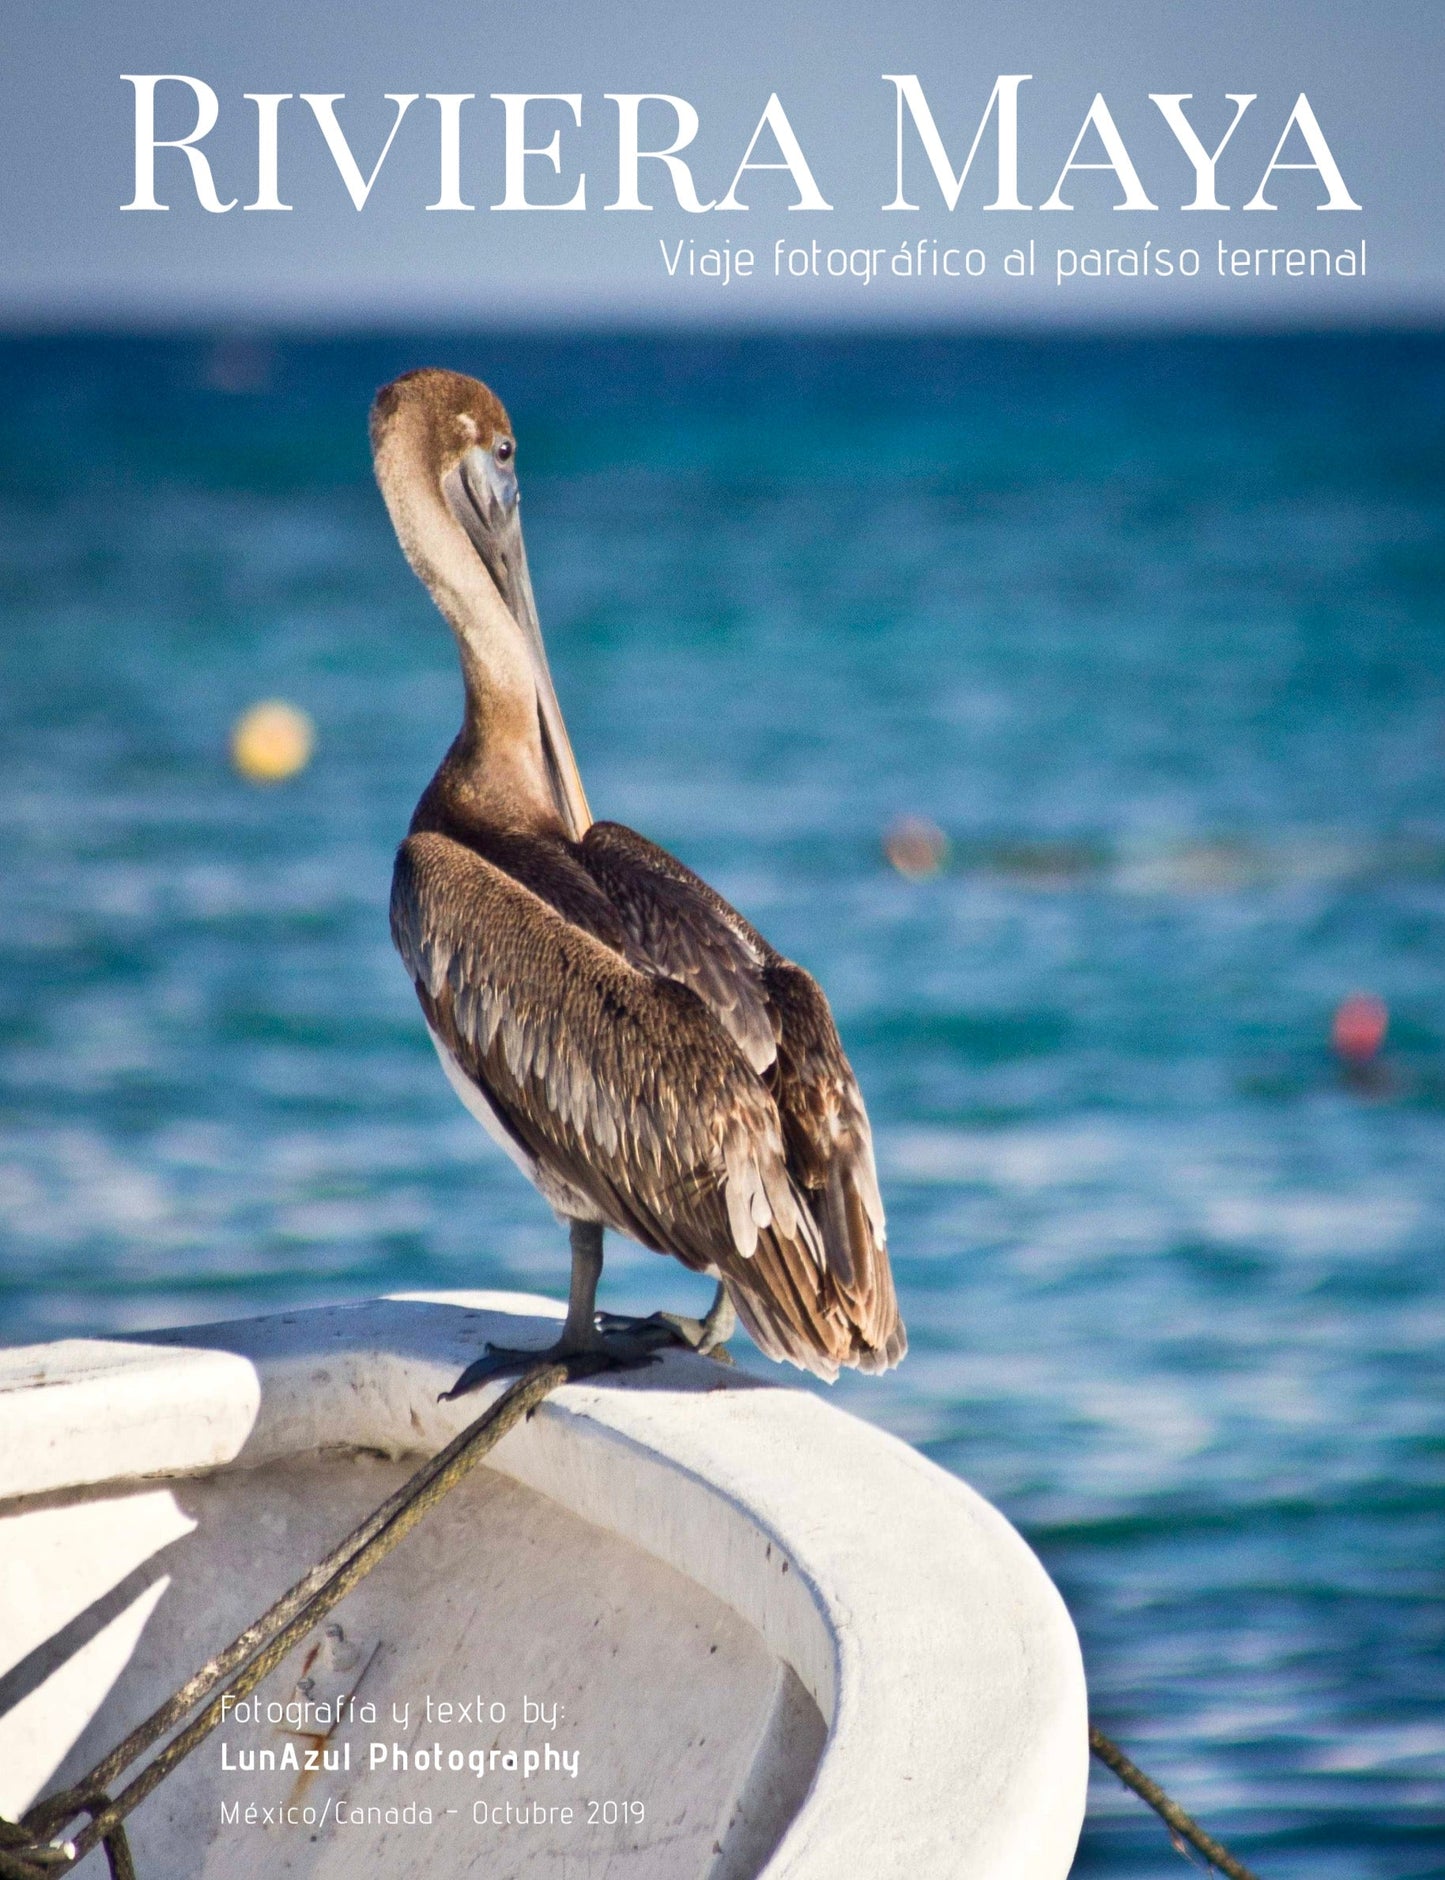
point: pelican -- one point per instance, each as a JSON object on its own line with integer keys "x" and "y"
{"x": 641, "y": 1052}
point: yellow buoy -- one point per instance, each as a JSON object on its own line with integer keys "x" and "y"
{"x": 272, "y": 741}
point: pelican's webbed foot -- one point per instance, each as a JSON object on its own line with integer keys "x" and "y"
{"x": 628, "y": 1347}
{"x": 607, "y": 1341}
{"x": 707, "y": 1336}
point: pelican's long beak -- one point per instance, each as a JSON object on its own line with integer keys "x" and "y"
{"x": 482, "y": 494}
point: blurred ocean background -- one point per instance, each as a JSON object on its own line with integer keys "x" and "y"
{"x": 1153, "y": 629}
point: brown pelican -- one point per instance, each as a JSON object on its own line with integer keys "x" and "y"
{"x": 639, "y": 1051}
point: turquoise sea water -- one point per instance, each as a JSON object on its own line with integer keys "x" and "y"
{"x": 1153, "y": 629}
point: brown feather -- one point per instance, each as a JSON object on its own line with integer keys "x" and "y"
{"x": 686, "y": 935}
{"x": 674, "y": 915}
{"x": 624, "y": 1084}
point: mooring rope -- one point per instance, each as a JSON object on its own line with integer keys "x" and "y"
{"x": 1182, "y": 1827}
{"x": 33, "y": 1848}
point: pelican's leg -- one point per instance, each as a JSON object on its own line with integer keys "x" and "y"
{"x": 580, "y": 1332}
{"x": 720, "y": 1321}
{"x": 616, "y": 1347}
{"x": 711, "y": 1332}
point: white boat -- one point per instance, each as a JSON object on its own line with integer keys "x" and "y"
{"x": 732, "y": 1629}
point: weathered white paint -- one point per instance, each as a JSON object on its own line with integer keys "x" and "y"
{"x": 97, "y": 1410}
{"x": 931, "y": 1641}
{"x": 58, "y": 1560}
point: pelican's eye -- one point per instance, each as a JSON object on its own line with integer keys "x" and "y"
{"x": 502, "y": 450}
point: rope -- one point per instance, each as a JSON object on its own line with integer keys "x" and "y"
{"x": 1181, "y": 1827}
{"x": 31, "y": 1849}
{"x": 32, "y": 1856}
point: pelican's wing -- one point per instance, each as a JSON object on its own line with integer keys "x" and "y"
{"x": 830, "y": 1151}
{"x": 624, "y": 1084}
{"x": 688, "y": 932}
{"x": 778, "y": 1016}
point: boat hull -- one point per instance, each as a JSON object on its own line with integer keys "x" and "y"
{"x": 757, "y": 1635}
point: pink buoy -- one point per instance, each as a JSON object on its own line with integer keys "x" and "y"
{"x": 916, "y": 847}
{"x": 1359, "y": 1027}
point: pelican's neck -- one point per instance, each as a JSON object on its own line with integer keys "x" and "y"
{"x": 496, "y": 768}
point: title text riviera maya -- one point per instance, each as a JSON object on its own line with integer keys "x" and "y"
{"x": 177, "y": 112}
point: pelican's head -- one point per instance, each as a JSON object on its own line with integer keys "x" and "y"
{"x": 445, "y": 459}
{"x": 455, "y": 433}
